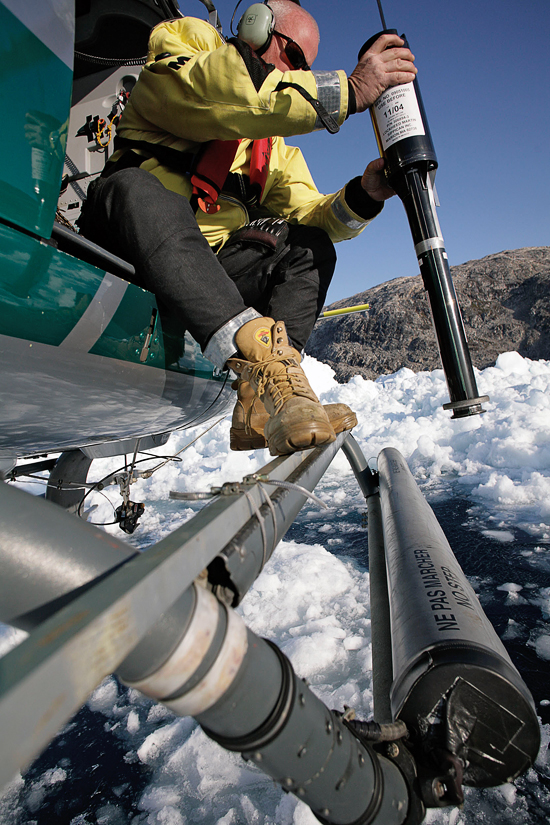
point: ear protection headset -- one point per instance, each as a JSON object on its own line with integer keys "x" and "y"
{"x": 256, "y": 27}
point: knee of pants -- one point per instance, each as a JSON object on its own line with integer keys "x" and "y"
{"x": 133, "y": 213}
{"x": 135, "y": 189}
{"x": 111, "y": 198}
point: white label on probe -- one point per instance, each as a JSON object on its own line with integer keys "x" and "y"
{"x": 398, "y": 115}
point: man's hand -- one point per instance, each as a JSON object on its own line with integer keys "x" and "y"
{"x": 385, "y": 64}
{"x": 374, "y": 181}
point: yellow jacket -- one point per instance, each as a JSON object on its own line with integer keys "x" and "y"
{"x": 196, "y": 87}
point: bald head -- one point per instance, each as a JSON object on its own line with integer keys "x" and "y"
{"x": 296, "y": 23}
{"x": 289, "y": 13}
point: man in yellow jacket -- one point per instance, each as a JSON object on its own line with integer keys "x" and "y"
{"x": 222, "y": 219}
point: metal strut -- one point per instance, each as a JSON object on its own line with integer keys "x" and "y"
{"x": 109, "y": 609}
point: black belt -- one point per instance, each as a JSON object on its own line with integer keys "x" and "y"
{"x": 180, "y": 161}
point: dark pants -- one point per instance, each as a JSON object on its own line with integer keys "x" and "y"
{"x": 131, "y": 214}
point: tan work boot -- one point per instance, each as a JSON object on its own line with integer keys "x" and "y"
{"x": 250, "y": 417}
{"x": 297, "y": 421}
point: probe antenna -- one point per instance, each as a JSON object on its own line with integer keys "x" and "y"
{"x": 381, "y": 14}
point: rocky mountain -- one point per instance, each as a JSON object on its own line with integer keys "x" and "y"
{"x": 505, "y": 303}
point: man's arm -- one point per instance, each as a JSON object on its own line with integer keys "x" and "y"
{"x": 343, "y": 214}
{"x": 195, "y": 87}
{"x": 200, "y": 89}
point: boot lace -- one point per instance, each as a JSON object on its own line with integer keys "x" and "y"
{"x": 282, "y": 385}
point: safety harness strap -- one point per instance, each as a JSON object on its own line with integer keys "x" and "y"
{"x": 259, "y": 163}
{"x": 210, "y": 173}
{"x": 208, "y": 168}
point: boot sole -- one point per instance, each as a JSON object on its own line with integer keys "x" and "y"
{"x": 240, "y": 441}
{"x": 343, "y": 422}
{"x": 301, "y": 438}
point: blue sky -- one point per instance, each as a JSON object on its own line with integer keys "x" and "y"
{"x": 484, "y": 73}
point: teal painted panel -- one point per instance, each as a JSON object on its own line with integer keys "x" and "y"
{"x": 181, "y": 352}
{"x": 125, "y": 336}
{"x": 43, "y": 292}
{"x": 35, "y": 89}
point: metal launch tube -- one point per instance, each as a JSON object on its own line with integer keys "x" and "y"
{"x": 404, "y": 141}
{"x": 243, "y": 691}
{"x": 454, "y": 684}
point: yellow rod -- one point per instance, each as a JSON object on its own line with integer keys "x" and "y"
{"x": 330, "y": 313}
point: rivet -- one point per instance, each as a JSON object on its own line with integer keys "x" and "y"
{"x": 339, "y": 737}
{"x": 439, "y": 789}
{"x": 300, "y": 792}
{"x": 302, "y": 752}
{"x": 328, "y": 727}
{"x": 361, "y": 758}
{"x": 279, "y": 352}
{"x": 392, "y": 749}
{"x": 257, "y": 757}
{"x": 287, "y": 781}
{"x": 301, "y": 699}
{"x": 340, "y": 784}
{"x": 325, "y": 812}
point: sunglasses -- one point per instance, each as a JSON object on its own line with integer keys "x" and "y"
{"x": 294, "y": 53}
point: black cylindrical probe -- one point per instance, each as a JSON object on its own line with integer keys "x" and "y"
{"x": 405, "y": 143}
